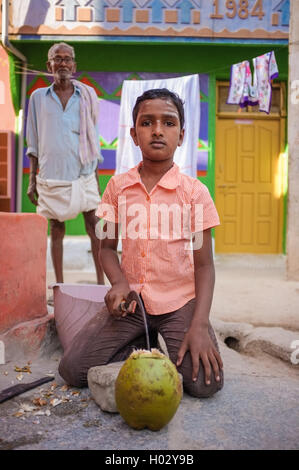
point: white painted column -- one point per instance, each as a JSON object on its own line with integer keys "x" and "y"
{"x": 293, "y": 138}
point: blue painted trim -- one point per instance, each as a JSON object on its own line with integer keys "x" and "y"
{"x": 150, "y": 39}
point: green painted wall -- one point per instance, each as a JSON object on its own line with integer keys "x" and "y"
{"x": 157, "y": 57}
{"x": 212, "y": 59}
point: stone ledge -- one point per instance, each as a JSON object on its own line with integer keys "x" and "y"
{"x": 275, "y": 341}
{"x": 101, "y": 381}
{"x": 31, "y": 339}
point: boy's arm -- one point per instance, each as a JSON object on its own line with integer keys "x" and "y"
{"x": 109, "y": 259}
{"x": 197, "y": 339}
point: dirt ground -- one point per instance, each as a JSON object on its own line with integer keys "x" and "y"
{"x": 258, "y": 402}
{"x": 255, "y": 290}
{"x": 255, "y": 410}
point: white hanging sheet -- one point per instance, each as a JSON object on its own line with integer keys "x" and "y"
{"x": 128, "y": 155}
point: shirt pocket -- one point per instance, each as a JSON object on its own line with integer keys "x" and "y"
{"x": 174, "y": 259}
{"x": 131, "y": 260}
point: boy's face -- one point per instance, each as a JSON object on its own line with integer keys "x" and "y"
{"x": 157, "y": 130}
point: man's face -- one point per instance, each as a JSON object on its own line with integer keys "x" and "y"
{"x": 62, "y": 65}
{"x": 157, "y": 131}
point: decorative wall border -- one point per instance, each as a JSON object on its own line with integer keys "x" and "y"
{"x": 268, "y": 19}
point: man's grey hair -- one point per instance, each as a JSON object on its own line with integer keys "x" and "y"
{"x": 51, "y": 51}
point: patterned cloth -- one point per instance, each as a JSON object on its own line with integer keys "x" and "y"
{"x": 265, "y": 70}
{"x": 243, "y": 93}
{"x": 240, "y": 89}
{"x": 157, "y": 264}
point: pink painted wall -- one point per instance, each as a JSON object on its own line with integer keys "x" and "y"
{"x": 7, "y": 133}
{"x": 7, "y": 114}
{"x": 23, "y": 245}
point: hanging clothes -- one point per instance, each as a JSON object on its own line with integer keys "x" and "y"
{"x": 128, "y": 155}
{"x": 243, "y": 92}
{"x": 265, "y": 70}
{"x": 240, "y": 88}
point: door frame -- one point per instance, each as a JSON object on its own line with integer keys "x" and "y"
{"x": 253, "y": 115}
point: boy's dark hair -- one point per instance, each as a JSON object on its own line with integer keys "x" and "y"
{"x": 162, "y": 94}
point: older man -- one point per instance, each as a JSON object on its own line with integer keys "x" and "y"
{"x": 62, "y": 142}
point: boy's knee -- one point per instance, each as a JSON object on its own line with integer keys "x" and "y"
{"x": 72, "y": 372}
{"x": 200, "y": 389}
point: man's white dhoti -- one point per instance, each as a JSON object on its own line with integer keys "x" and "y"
{"x": 64, "y": 200}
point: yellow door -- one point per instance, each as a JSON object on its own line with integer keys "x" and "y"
{"x": 247, "y": 178}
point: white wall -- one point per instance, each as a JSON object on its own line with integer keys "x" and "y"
{"x": 293, "y": 137}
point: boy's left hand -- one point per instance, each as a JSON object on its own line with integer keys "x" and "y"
{"x": 201, "y": 346}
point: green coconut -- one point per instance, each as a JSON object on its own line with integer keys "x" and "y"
{"x": 148, "y": 390}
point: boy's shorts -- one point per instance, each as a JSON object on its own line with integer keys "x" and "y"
{"x": 105, "y": 339}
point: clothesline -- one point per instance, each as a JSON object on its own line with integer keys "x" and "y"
{"x": 225, "y": 67}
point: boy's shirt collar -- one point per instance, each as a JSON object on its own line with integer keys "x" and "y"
{"x": 170, "y": 180}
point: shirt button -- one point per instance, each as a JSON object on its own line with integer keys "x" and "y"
{"x": 141, "y": 280}
{"x": 148, "y": 198}
{"x": 143, "y": 254}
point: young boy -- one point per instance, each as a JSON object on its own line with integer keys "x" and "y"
{"x": 175, "y": 283}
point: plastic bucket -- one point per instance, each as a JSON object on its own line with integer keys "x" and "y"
{"x": 74, "y": 306}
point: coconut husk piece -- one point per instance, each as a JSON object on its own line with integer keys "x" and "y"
{"x": 15, "y": 390}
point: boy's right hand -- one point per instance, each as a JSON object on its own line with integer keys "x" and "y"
{"x": 115, "y": 300}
